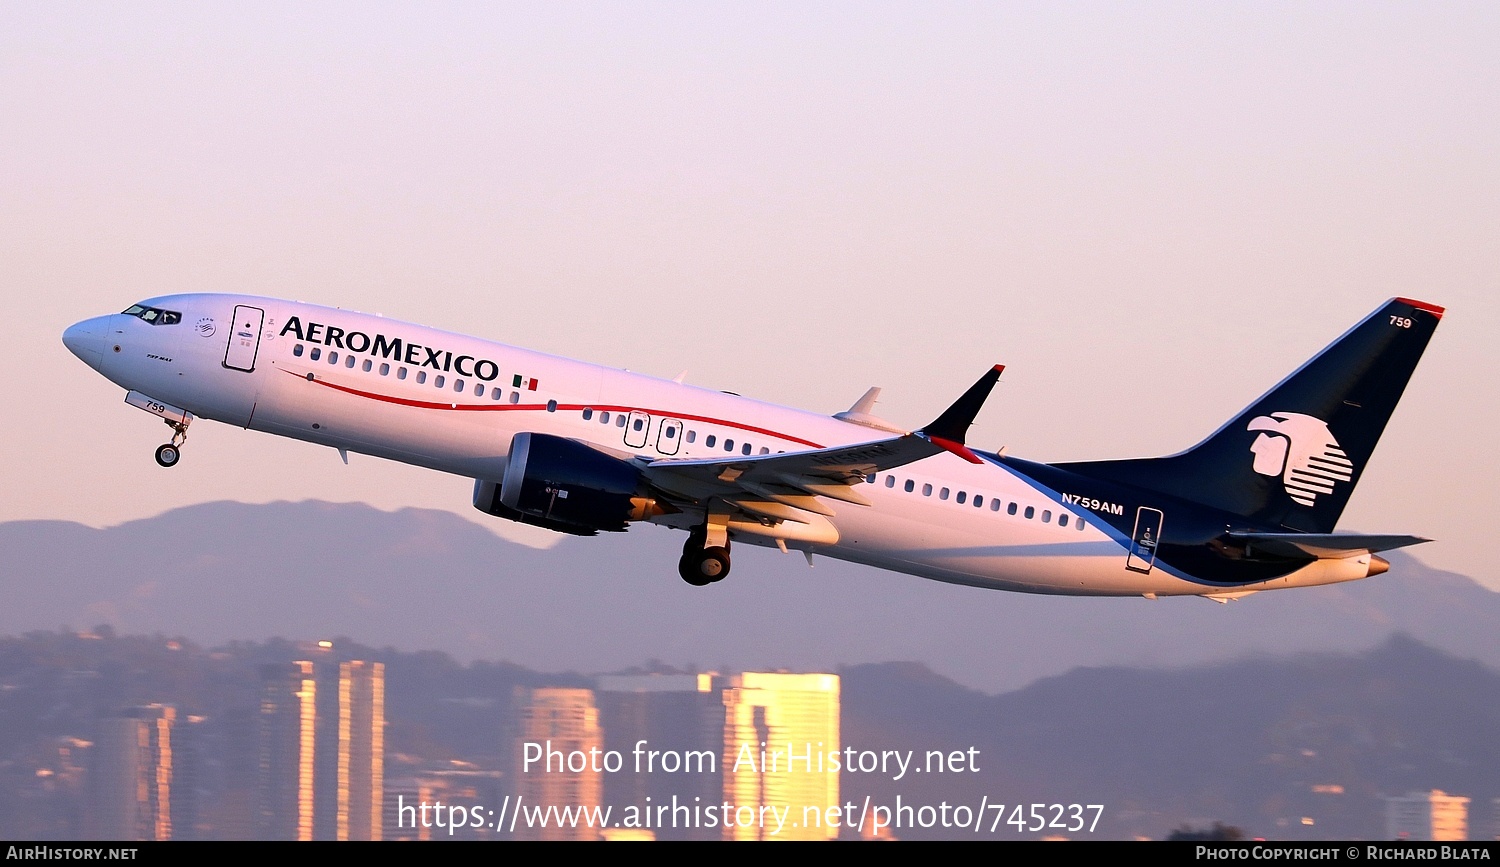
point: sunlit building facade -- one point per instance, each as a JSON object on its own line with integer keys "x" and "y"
{"x": 360, "y": 746}
{"x": 564, "y": 722}
{"x": 131, "y": 775}
{"x": 779, "y": 731}
{"x": 288, "y": 718}
{"x": 1434, "y": 815}
{"x": 322, "y": 751}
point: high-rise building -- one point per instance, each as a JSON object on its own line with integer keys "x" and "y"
{"x": 781, "y": 734}
{"x": 1434, "y": 815}
{"x": 360, "y": 744}
{"x": 131, "y": 775}
{"x": 672, "y": 726}
{"x": 322, "y": 751}
{"x": 554, "y": 726}
{"x": 287, "y": 740}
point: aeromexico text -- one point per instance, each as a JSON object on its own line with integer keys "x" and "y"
{"x": 392, "y": 348}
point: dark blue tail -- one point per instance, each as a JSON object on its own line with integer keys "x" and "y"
{"x": 1293, "y": 457}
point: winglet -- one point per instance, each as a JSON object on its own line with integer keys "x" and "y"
{"x": 948, "y": 430}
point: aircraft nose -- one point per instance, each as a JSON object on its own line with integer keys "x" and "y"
{"x": 86, "y": 340}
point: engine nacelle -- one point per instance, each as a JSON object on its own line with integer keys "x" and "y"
{"x": 564, "y": 485}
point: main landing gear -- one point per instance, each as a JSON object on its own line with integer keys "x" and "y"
{"x": 703, "y": 564}
{"x": 169, "y": 454}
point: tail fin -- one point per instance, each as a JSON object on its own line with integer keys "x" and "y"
{"x": 1293, "y": 457}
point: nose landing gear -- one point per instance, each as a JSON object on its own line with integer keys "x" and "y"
{"x": 176, "y": 418}
{"x": 169, "y": 454}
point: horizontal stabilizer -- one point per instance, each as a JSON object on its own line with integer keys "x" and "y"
{"x": 1319, "y": 546}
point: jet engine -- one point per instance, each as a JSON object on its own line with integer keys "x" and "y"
{"x": 564, "y": 485}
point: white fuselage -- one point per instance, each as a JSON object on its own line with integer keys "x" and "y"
{"x": 452, "y": 403}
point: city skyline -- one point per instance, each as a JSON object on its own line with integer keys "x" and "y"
{"x": 1296, "y": 774}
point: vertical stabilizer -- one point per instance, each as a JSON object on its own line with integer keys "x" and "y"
{"x": 1293, "y": 457}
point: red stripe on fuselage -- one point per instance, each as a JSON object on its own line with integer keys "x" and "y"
{"x": 542, "y": 407}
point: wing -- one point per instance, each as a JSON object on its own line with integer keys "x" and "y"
{"x": 794, "y": 487}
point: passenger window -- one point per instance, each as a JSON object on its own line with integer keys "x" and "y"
{"x": 639, "y": 424}
{"x": 479, "y": 389}
{"x": 1081, "y": 524}
{"x": 1030, "y": 512}
{"x": 995, "y": 505}
{"x": 315, "y": 353}
{"x": 515, "y": 397}
{"x": 458, "y": 385}
{"x": 619, "y": 421}
{"x": 745, "y": 449}
{"x": 400, "y": 373}
{"x": 588, "y": 414}
{"x": 333, "y": 357}
{"x": 385, "y": 369}
{"x": 551, "y": 406}
{"x": 1011, "y": 509}
{"x": 927, "y": 490}
{"x": 349, "y": 361}
{"x": 710, "y": 441}
{"x": 978, "y": 502}
{"x": 890, "y": 481}
{"x": 943, "y": 494}
{"x": 1046, "y": 516}
{"x": 692, "y": 436}
{"x": 910, "y": 486}
{"x": 764, "y": 450}
{"x": 495, "y": 393}
{"x": 1062, "y": 520}
{"x": 604, "y": 418}
{"x": 729, "y": 445}
{"x": 297, "y": 350}
{"x": 421, "y": 377}
{"x": 437, "y": 382}
{"x": 870, "y": 479}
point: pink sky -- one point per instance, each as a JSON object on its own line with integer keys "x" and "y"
{"x": 1149, "y": 212}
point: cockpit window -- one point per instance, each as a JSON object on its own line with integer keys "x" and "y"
{"x": 154, "y": 315}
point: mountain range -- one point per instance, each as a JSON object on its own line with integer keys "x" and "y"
{"x": 423, "y": 579}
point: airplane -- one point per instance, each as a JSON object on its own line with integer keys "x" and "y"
{"x": 582, "y": 449}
